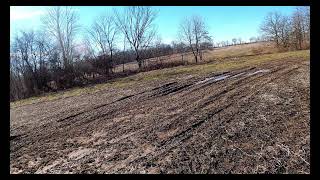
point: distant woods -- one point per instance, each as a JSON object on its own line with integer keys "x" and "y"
{"x": 65, "y": 53}
{"x": 288, "y": 31}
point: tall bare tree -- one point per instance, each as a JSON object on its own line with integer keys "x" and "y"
{"x": 234, "y": 40}
{"x": 103, "y": 34}
{"x": 124, "y": 55}
{"x": 270, "y": 27}
{"x": 88, "y": 50}
{"x": 277, "y": 27}
{"x": 44, "y": 50}
{"x": 62, "y": 24}
{"x": 284, "y": 31}
{"x": 25, "y": 50}
{"x": 157, "y": 44}
{"x": 299, "y": 27}
{"x": 193, "y": 31}
{"x": 136, "y": 23}
{"x": 29, "y": 56}
{"x": 306, "y": 13}
{"x": 223, "y": 43}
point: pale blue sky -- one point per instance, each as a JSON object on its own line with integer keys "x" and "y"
{"x": 225, "y": 22}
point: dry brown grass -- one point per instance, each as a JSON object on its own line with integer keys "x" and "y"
{"x": 191, "y": 69}
{"x": 208, "y": 55}
{"x": 245, "y": 124}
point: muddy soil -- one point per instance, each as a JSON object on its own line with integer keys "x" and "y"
{"x": 250, "y": 120}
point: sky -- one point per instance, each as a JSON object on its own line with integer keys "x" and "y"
{"x": 224, "y": 22}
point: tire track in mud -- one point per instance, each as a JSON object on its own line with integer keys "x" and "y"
{"x": 181, "y": 134}
{"x": 79, "y": 119}
{"x": 74, "y": 125}
{"x": 204, "y": 101}
{"x": 168, "y": 89}
{"x": 163, "y": 90}
{"x": 208, "y": 101}
{"x": 94, "y": 108}
{"x": 179, "y": 137}
{"x": 201, "y": 106}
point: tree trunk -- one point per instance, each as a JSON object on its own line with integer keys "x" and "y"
{"x": 197, "y": 55}
{"x": 182, "y": 58}
{"x": 111, "y": 62}
{"x": 139, "y": 61}
{"x": 122, "y": 66}
{"x": 107, "y": 66}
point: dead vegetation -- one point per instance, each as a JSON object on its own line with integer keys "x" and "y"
{"x": 233, "y": 54}
{"x": 249, "y": 114}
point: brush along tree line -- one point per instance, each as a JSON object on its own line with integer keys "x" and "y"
{"x": 56, "y": 58}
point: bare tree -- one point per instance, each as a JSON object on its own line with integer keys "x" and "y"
{"x": 88, "y": 50}
{"x": 300, "y": 26}
{"x": 124, "y": 55}
{"x": 24, "y": 48}
{"x": 240, "y": 40}
{"x": 17, "y": 87}
{"x": 178, "y": 47}
{"x": 306, "y": 14}
{"x": 193, "y": 31}
{"x": 136, "y": 23}
{"x": 270, "y": 26}
{"x": 29, "y": 58}
{"x": 284, "y": 31}
{"x": 62, "y": 24}
{"x": 277, "y": 27}
{"x": 44, "y": 50}
{"x": 103, "y": 34}
{"x": 223, "y": 43}
{"x": 158, "y": 50}
{"x": 227, "y": 43}
{"x": 234, "y": 40}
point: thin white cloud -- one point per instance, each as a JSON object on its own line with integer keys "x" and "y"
{"x": 18, "y": 13}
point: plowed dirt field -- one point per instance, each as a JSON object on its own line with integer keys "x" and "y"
{"x": 252, "y": 119}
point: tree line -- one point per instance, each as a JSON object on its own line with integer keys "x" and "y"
{"x": 288, "y": 31}
{"x": 53, "y": 58}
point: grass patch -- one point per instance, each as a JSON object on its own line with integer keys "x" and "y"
{"x": 77, "y": 91}
{"x": 217, "y": 66}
